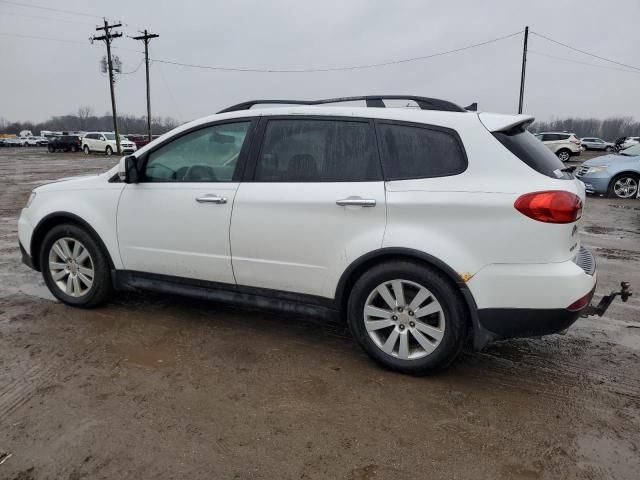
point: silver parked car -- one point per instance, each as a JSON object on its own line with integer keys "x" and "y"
{"x": 616, "y": 175}
{"x": 594, "y": 143}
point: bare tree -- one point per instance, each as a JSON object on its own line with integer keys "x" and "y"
{"x": 84, "y": 113}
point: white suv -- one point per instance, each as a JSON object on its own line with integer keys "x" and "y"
{"x": 422, "y": 228}
{"x": 105, "y": 142}
{"x": 563, "y": 144}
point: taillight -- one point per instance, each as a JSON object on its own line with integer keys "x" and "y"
{"x": 577, "y": 142}
{"x": 553, "y": 206}
{"x": 581, "y": 302}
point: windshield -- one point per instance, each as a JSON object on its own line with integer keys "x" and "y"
{"x": 112, "y": 136}
{"x": 632, "y": 151}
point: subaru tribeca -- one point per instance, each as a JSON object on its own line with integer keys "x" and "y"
{"x": 420, "y": 227}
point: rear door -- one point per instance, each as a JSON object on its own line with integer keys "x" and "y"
{"x": 313, "y": 202}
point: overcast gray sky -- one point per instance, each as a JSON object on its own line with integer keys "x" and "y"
{"x": 40, "y": 78}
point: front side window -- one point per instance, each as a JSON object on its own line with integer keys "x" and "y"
{"x": 418, "y": 152}
{"x": 206, "y": 155}
{"x": 308, "y": 150}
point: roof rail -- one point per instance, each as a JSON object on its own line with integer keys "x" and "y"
{"x": 371, "y": 100}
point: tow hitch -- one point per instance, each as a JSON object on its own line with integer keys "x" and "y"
{"x": 625, "y": 293}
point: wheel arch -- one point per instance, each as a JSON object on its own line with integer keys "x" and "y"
{"x": 480, "y": 336}
{"x": 58, "y": 218}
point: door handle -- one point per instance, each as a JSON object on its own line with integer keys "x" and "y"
{"x": 357, "y": 202}
{"x": 211, "y": 198}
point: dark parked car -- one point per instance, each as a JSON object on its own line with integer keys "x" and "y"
{"x": 141, "y": 140}
{"x": 66, "y": 143}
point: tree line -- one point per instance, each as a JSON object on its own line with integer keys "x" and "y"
{"x": 85, "y": 120}
{"x": 608, "y": 129}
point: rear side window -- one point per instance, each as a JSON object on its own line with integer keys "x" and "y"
{"x": 309, "y": 150}
{"x": 532, "y": 152}
{"x": 418, "y": 152}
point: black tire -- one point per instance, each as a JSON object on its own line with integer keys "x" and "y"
{"x": 611, "y": 191}
{"x": 86, "y": 150}
{"x": 609, "y": 149}
{"x": 442, "y": 288}
{"x": 108, "y": 151}
{"x": 564, "y": 154}
{"x": 101, "y": 289}
{"x": 51, "y": 149}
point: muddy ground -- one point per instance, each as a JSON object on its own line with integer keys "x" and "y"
{"x": 165, "y": 387}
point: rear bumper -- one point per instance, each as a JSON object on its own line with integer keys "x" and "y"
{"x": 531, "y": 300}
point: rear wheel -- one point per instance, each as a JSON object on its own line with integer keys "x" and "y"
{"x": 51, "y": 149}
{"x": 74, "y": 267}
{"x": 564, "y": 155}
{"x": 624, "y": 185}
{"x": 408, "y": 317}
{"x": 86, "y": 150}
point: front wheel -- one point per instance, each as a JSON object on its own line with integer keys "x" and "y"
{"x": 408, "y": 317}
{"x": 51, "y": 149}
{"x": 609, "y": 149}
{"x": 108, "y": 151}
{"x": 624, "y": 185}
{"x": 74, "y": 267}
{"x": 86, "y": 150}
{"x": 564, "y": 155}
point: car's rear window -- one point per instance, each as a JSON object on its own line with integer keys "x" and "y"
{"x": 532, "y": 151}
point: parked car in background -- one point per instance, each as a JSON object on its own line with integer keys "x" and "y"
{"x": 369, "y": 214}
{"x": 141, "y": 140}
{"x": 594, "y": 143}
{"x": 13, "y": 142}
{"x": 629, "y": 141}
{"x": 105, "y": 142}
{"x": 564, "y": 144}
{"x": 36, "y": 142}
{"x": 615, "y": 175}
{"x": 66, "y": 143}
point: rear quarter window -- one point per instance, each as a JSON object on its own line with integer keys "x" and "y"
{"x": 531, "y": 151}
{"x": 416, "y": 151}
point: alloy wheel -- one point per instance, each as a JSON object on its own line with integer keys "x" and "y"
{"x": 71, "y": 267}
{"x": 626, "y": 187}
{"x": 564, "y": 156}
{"x": 404, "y": 319}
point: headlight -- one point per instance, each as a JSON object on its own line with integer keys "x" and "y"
{"x": 31, "y": 199}
{"x": 599, "y": 168}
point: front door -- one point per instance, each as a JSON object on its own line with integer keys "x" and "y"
{"x": 175, "y": 221}
{"x": 314, "y": 203}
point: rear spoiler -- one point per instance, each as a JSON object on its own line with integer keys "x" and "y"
{"x": 498, "y": 122}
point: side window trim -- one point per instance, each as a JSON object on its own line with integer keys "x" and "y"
{"x": 242, "y": 159}
{"x": 425, "y": 126}
{"x": 258, "y": 141}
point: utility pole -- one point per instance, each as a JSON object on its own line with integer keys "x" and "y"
{"x": 145, "y": 38}
{"x": 524, "y": 68}
{"x": 107, "y": 38}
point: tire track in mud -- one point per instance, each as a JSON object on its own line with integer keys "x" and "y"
{"x": 24, "y": 387}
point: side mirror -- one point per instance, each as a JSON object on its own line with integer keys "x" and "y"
{"x": 128, "y": 169}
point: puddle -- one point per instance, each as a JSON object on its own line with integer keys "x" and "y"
{"x": 598, "y": 230}
{"x": 147, "y": 356}
{"x": 618, "y": 458}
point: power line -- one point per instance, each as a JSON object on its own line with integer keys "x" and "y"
{"x": 584, "y": 63}
{"x": 336, "y": 69}
{"x": 585, "y": 52}
{"x": 134, "y": 70}
{"x": 50, "y": 39}
{"x": 47, "y": 18}
{"x": 59, "y": 10}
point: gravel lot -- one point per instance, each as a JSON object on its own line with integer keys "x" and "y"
{"x": 165, "y": 387}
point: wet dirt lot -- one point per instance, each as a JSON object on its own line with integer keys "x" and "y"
{"x": 165, "y": 387}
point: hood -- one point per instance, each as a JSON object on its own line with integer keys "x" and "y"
{"x": 609, "y": 159}
{"x": 66, "y": 182}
